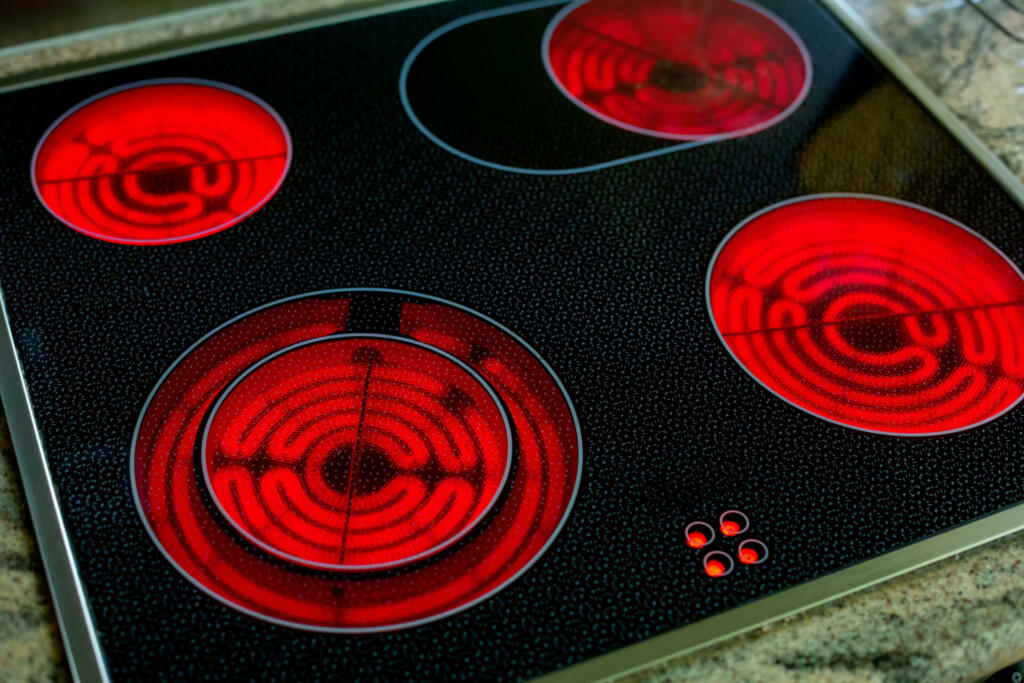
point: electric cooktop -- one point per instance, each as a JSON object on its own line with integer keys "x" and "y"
{"x": 495, "y": 341}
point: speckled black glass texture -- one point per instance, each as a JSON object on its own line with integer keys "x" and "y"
{"x": 603, "y": 273}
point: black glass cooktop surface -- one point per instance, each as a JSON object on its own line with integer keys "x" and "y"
{"x": 478, "y": 340}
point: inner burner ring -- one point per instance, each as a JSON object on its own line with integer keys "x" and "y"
{"x": 384, "y": 482}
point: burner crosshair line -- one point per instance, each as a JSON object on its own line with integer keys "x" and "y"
{"x": 353, "y": 466}
{"x": 882, "y": 316}
{"x": 164, "y": 169}
{"x": 711, "y": 76}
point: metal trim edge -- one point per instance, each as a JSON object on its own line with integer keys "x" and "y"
{"x": 69, "y": 600}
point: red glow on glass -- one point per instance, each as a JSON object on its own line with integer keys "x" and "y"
{"x": 356, "y": 453}
{"x": 749, "y": 555}
{"x": 872, "y": 313}
{"x": 161, "y": 162}
{"x": 730, "y": 528}
{"x": 696, "y": 540}
{"x": 714, "y": 568}
{"x": 678, "y": 69}
{"x": 277, "y": 451}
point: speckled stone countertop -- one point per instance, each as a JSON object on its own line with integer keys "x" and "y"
{"x": 956, "y": 620}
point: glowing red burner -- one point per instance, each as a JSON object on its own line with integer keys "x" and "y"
{"x": 161, "y": 161}
{"x": 872, "y": 313}
{"x": 357, "y": 453}
{"x": 681, "y": 70}
{"x": 439, "y": 442}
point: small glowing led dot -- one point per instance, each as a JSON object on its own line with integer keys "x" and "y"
{"x": 752, "y": 551}
{"x": 733, "y": 523}
{"x": 714, "y": 568}
{"x": 749, "y": 556}
{"x": 696, "y": 540}
{"x": 699, "y": 534}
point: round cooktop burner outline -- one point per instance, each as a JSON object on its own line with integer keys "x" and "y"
{"x": 987, "y": 245}
{"x": 759, "y": 126}
{"x": 159, "y": 199}
{"x": 451, "y": 540}
{"x": 573, "y": 457}
{"x": 410, "y": 111}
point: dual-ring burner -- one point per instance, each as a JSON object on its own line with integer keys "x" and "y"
{"x": 682, "y": 70}
{"x": 159, "y": 162}
{"x": 358, "y": 460}
{"x": 872, "y": 313}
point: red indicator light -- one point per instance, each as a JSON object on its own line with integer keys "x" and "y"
{"x": 717, "y": 564}
{"x": 683, "y": 71}
{"x": 161, "y": 161}
{"x": 696, "y": 540}
{"x": 752, "y": 551}
{"x": 733, "y": 523}
{"x": 872, "y": 313}
{"x": 327, "y": 457}
{"x": 698, "y": 534}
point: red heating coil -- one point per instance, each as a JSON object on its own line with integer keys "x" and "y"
{"x": 356, "y": 453}
{"x": 161, "y": 162}
{"x": 682, "y": 70}
{"x": 193, "y": 532}
{"x": 872, "y": 313}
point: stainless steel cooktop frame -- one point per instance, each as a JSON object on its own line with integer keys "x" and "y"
{"x": 81, "y": 640}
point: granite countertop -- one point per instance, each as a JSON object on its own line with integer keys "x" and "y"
{"x": 958, "y": 619}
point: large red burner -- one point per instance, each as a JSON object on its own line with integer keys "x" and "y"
{"x": 685, "y": 70}
{"x": 873, "y": 313}
{"x": 357, "y": 453}
{"x": 383, "y": 411}
{"x": 161, "y": 161}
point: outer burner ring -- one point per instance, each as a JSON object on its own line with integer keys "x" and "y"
{"x": 117, "y": 234}
{"x": 755, "y": 127}
{"x": 204, "y": 456}
{"x": 1002, "y": 278}
{"x": 188, "y": 533}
